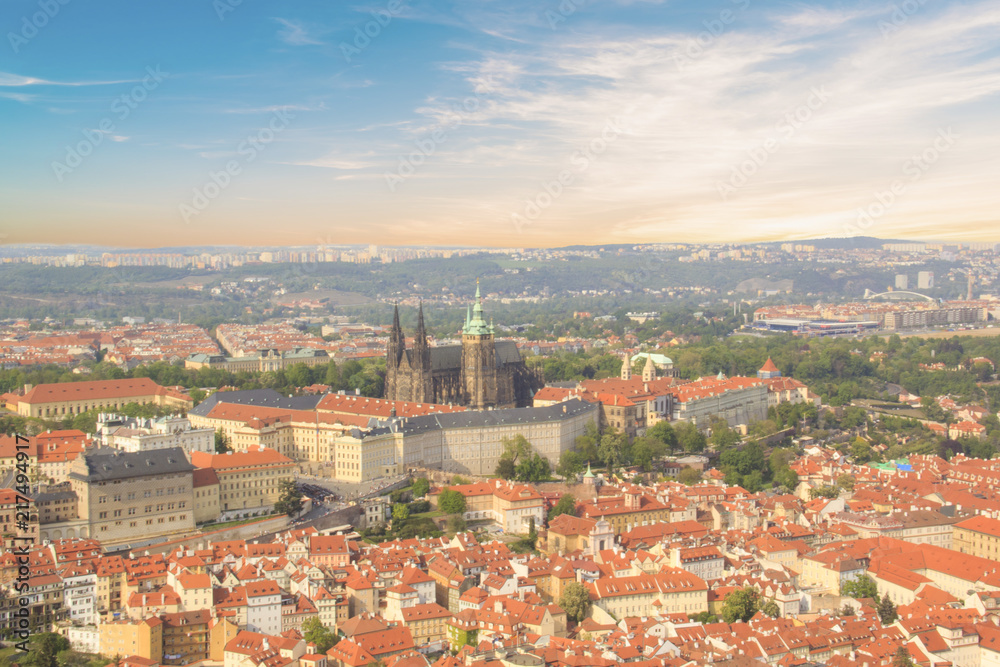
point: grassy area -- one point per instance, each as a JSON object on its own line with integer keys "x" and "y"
{"x": 6, "y": 654}
{"x": 433, "y": 514}
{"x": 210, "y": 527}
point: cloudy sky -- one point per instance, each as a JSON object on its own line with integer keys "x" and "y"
{"x": 497, "y": 122}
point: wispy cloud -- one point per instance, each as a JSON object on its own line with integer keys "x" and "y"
{"x": 16, "y": 80}
{"x": 685, "y": 127}
{"x": 294, "y": 33}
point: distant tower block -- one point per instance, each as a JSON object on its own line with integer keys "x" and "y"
{"x": 902, "y": 282}
{"x": 968, "y": 293}
{"x": 925, "y": 280}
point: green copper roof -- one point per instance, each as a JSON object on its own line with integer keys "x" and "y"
{"x": 476, "y": 324}
{"x": 589, "y": 472}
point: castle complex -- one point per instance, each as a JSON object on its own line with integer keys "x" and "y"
{"x": 480, "y": 373}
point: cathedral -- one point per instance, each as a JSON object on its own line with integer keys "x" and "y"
{"x": 480, "y": 373}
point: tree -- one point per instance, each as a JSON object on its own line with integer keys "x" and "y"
{"x": 861, "y": 451}
{"x": 575, "y": 601}
{"x": 451, "y": 502}
{"x": 860, "y": 587}
{"x": 887, "y": 610}
{"x": 902, "y": 658}
{"x": 400, "y": 512}
{"x": 222, "y": 442}
{"x": 741, "y": 605}
{"x": 704, "y": 617}
{"x": 723, "y": 437}
{"x": 770, "y": 608}
{"x": 570, "y": 463}
{"x": 534, "y": 468}
{"x": 289, "y": 499}
{"x": 586, "y": 444}
{"x": 612, "y": 449}
{"x": 689, "y": 476}
{"x": 316, "y": 633}
{"x": 847, "y": 610}
{"x": 646, "y": 451}
{"x": 506, "y": 469}
{"x": 664, "y": 432}
{"x": 824, "y": 491}
{"x": 456, "y": 523}
{"x": 421, "y": 487}
{"x": 846, "y": 482}
{"x": 689, "y": 437}
{"x": 566, "y": 505}
{"x": 48, "y": 645}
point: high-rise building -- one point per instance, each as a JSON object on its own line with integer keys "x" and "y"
{"x": 925, "y": 280}
{"x": 902, "y": 282}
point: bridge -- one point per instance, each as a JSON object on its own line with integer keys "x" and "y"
{"x": 898, "y": 294}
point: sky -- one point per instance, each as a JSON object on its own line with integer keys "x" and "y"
{"x": 497, "y": 122}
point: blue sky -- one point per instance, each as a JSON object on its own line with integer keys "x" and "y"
{"x": 498, "y": 123}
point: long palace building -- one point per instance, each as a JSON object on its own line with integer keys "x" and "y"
{"x": 365, "y": 438}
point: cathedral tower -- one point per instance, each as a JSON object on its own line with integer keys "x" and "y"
{"x": 423, "y": 387}
{"x": 394, "y": 354}
{"x": 479, "y": 358}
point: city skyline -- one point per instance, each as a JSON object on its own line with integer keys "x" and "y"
{"x": 488, "y": 126}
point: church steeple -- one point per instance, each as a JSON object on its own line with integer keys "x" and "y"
{"x": 423, "y": 390}
{"x": 626, "y": 367}
{"x": 397, "y": 341}
{"x": 649, "y": 370}
{"x": 476, "y": 324}
{"x": 421, "y": 332}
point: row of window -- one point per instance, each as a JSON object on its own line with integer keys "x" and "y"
{"x": 149, "y": 522}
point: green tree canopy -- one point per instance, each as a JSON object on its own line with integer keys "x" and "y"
{"x": 741, "y": 605}
{"x": 566, "y": 505}
{"x": 289, "y": 499}
{"x": 421, "y": 487}
{"x": 689, "y": 476}
{"x": 451, "y": 502}
{"x": 575, "y": 601}
{"x": 316, "y": 633}
{"x": 689, "y": 437}
{"x": 860, "y": 587}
